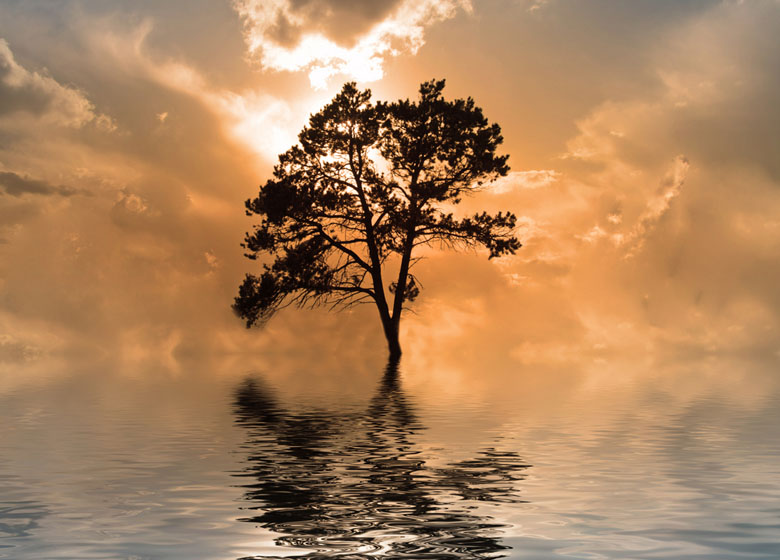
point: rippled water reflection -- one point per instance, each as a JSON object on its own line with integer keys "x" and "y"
{"x": 359, "y": 483}
{"x": 225, "y": 462}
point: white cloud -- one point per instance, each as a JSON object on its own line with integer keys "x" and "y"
{"x": 533, "y": 179}
{"x": 536, "y": 5}
{"x": 402, "y": 30}
{"x": 594, "y": 235}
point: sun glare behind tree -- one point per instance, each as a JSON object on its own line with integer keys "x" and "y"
{"x": 366, "y": 185}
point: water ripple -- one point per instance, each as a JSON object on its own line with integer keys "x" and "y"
{"x": 357, "y": 483}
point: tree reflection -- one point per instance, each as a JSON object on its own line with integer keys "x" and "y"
{"x": 341, "y": 484}
{"x": 20, "y": 515}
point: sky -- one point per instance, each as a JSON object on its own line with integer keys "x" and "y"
{"x": 642, "y": 137}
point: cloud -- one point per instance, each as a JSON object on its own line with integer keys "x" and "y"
{"x": 119, "y": 269}
{"x": 265, "y": 123}
{"x": 42, "y": 97}
{"x": 122, "y": 268}
{"x": 657, "y": 206}
{"x": 638, "y": 250}
{"x": 305, "y": 35}
{"x": 16, "y": 185}
{"x": 532, "y": 179}
{"x": 536, "y": 5}
{"x": 630, "y": 235}
{"x": 13, "y": 351}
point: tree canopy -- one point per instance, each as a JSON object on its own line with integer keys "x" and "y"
{"x": 366, "y": 184}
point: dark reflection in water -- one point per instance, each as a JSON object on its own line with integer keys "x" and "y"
{"x": 20, "y": 516}
{"x": 18, "y": 519}
{"x": 352, "y": 484}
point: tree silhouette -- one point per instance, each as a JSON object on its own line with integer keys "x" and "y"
{"x": 365, "y": 186}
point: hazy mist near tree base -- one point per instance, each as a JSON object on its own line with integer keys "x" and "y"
{"x": 643, "y": 137}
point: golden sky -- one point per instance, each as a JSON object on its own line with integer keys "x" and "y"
{"x": 643, "y": 140}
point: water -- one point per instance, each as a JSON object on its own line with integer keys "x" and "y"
{"x": 228, "y": 461}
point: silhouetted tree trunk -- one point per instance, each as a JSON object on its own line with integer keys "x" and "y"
{"x": 393, "y": 342}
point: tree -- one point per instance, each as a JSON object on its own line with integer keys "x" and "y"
{"x": 367, "y": 184}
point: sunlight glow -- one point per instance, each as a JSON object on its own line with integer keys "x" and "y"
{"x": 262, "y": 122}
{"x": 402, "y": 31}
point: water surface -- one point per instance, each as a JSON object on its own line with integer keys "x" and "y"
{"x": 227, "y": 461}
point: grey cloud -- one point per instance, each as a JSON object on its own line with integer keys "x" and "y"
{"x": 16, "y": 185}
{"x": 342, "y": 20}
{"x": 13, "y": 95}
{"x": 285, "y": 32}
{"x": 720, "y": 90}
{"x": 23, "y": 91}
{"x": 739, "y": 122}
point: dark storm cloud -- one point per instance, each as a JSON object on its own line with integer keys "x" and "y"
{"x": 16, "y": 185}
